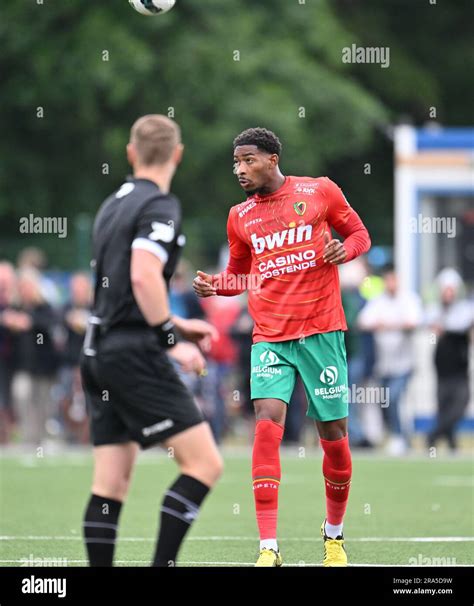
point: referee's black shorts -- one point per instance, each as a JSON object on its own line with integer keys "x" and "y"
{"x": 133, "y": 392}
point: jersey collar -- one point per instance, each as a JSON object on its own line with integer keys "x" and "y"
{"x": 132, "y": 179}
{"x": 273, "y": 194}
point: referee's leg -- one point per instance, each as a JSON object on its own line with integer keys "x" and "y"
{"x": 113, "y": 465}
{"x": 200, "y": 464}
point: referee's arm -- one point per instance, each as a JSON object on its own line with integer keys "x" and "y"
{"x": 149, "y": 287}
{"x": 149, "y": 290}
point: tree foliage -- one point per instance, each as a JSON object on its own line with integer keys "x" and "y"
{"x": 218, "y": 67}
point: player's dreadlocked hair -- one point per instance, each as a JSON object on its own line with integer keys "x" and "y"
{"x": 264, "y": 139}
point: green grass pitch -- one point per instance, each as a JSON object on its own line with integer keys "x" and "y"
{"x": 424, "y": 505}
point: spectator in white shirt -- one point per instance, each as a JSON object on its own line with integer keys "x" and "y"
{"x": 452, "y": 320}
{"x": 393, "y": 318}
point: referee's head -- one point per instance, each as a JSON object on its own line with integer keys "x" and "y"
{"x": 155, "y": 142}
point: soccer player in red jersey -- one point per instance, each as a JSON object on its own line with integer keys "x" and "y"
{"x": 282, "y": 252}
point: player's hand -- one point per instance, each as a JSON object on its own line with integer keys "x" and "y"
{"x": 202, "y": 285}
{"x": 197, "y": 331}
{"x": 189, "y": 358}
{"x": 334, "y": 251}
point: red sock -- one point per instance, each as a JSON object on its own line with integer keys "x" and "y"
{"x": 337, "y": 471}
{"x": 266, "y": 474}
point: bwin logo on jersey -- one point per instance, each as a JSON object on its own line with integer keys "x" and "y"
{"x": 329, "y": 375}
{"x": 295, "y": 235}
{"x": 161, "y": 231}
{"x": 268, "y": 358}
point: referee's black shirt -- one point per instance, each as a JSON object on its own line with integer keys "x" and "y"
{"x": 137, "y": 215}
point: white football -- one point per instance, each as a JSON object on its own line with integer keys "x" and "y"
{"x": 152, "y": 7}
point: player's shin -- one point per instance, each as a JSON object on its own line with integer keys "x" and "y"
{"x": 266, "y": 474}
{"x": 337, "y": 472}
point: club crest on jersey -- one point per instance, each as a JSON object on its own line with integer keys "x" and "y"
{"x": 300, "y": 208}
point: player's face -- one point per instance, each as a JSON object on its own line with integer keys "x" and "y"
{"x": 253, "y": 167}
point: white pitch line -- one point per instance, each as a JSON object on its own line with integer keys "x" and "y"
{"x": 454, "y": 481}
{"x": 231, "y": 538}
{"x": 65, "y": 457}
{"x": 295, "y": 565}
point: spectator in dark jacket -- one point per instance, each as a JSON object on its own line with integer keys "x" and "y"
{"x": 34, "y": 323}
{"x": 72, "y": 420}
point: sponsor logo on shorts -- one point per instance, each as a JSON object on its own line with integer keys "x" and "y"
{"x": 329, "y": 376}
{"x": 268, "y": 359}
{"x": 157, "y": 427}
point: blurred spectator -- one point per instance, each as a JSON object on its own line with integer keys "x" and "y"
{"x": 35, "y": 259}
{"x": 222, "y": 313}
{"x": 241, "y": 333}
{"x": 183, "y": 301}
{"x": 451, "y": 320}
{"x": 74, "y": 322}
{"x": 352, "y": 276}
{"x": 393, "y": 317}
{"x": 34, "y": 323}
{"x": 7, "y": 350}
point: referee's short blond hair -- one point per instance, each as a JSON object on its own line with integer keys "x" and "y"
{"x": 155, "y": 137}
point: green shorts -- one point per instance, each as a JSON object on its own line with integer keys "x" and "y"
{"x": 321, "y": 362}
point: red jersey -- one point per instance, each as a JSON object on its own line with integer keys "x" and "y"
{"x": 277, "y": 240}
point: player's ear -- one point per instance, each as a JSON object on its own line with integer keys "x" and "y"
{"x": 131, "y": 154}
{"x": 274, "y": 159}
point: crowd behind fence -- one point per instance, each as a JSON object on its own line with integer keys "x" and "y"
{"x": 42, "y": 325}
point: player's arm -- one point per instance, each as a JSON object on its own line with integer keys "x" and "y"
{"x": 348, "y": 224}
{"x": 149, "y": 290}
{"x": 232, "y": 281}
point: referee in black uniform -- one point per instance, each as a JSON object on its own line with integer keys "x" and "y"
{"x": 135, "y": 397}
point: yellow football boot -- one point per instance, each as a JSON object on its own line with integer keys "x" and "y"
{"x": 269, "y": 557}
{"x": 334, "y": 552}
